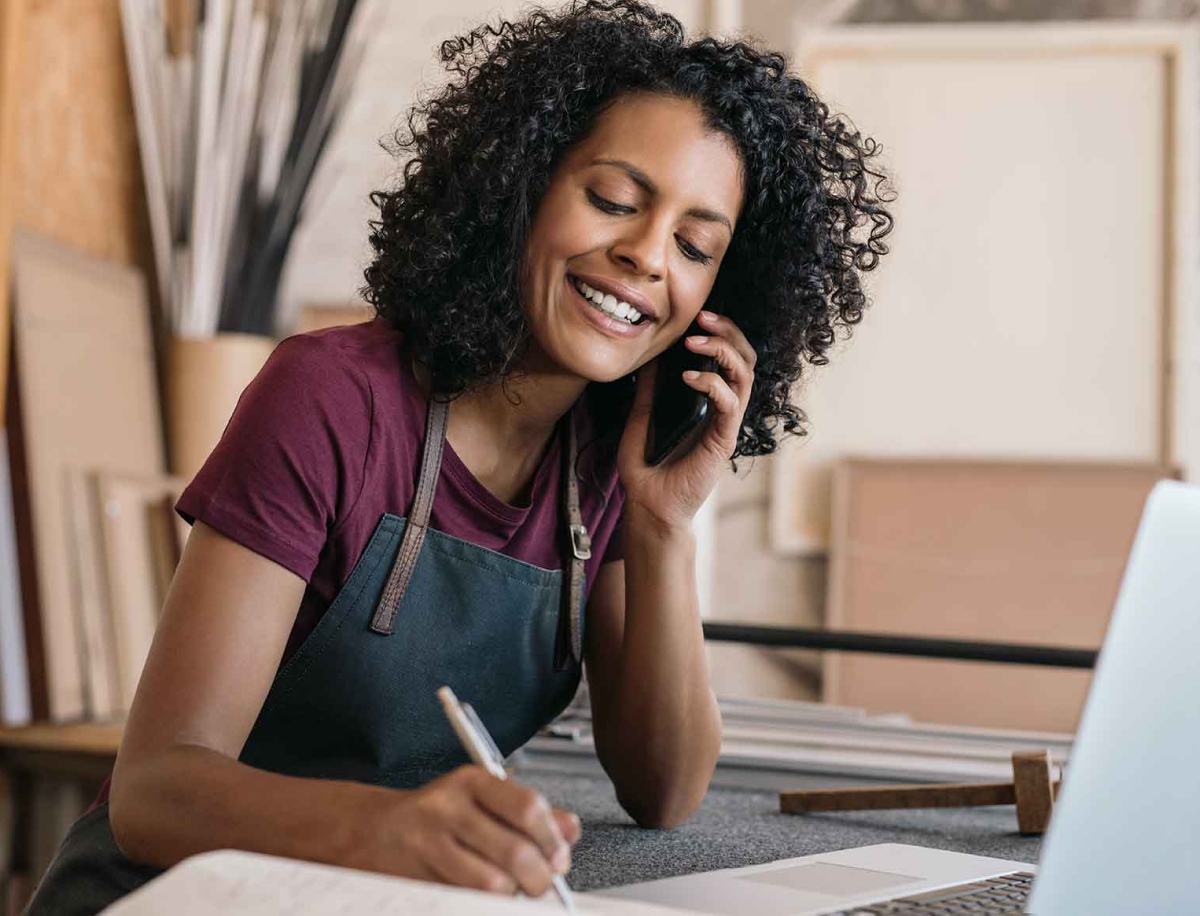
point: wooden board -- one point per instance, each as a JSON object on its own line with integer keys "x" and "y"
{"x": 990, "y": 551}
{"x": 90, "y": 596}
{"x": 136, "y": 577}
{"x": 1040, "y": 299}
{"x": 83, "y": 738}
{"x": 88, "y": 398}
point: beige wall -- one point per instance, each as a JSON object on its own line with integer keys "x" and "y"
{"x": 752, "y": 583}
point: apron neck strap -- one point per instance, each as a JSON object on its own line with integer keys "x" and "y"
{"x": 418, "y": 519}
{"x": 579, "y": 549}
{"x": 436, "y": 422}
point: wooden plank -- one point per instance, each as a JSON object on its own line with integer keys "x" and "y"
{"x": 92, "y": 738}
{"x": 135, "y": 576}
{"x": 89, "y": 595}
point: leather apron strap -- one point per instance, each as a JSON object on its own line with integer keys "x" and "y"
{"x": 579, "y": 549}
{"x": 418, "y": 519}
{"x": 569, "y": 644}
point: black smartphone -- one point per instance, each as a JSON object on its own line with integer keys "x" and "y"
{"x": 678, "y": 411}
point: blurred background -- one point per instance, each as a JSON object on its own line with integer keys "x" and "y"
{"x": 184, "y": 184}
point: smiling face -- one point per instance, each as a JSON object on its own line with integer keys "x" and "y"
{"x": 638, "y": 214}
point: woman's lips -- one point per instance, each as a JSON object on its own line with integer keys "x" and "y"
{"x": 614, "y": 327}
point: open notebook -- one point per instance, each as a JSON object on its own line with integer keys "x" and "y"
{"x": 228, "y": 881}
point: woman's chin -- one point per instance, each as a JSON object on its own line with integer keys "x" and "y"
{"x": 591, "y": 360}
{"x": 597, "y": 370}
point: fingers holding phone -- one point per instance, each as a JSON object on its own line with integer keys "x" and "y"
{"x": 728, "y": 379}
{"x": 686, "y": 419}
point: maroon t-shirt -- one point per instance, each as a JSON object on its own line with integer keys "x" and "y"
{"x": 328, "y": 437}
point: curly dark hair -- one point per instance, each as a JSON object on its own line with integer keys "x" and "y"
{"x": 450, "y": 237}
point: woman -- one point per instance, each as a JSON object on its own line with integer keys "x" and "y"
{"x": 432, "y": 496}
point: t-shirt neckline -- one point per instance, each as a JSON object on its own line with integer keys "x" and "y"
{"x": 454, "y": 466}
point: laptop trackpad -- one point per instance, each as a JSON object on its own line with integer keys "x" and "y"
{"x": 836, "y": 880}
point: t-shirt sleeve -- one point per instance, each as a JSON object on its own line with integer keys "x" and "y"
{"x": 291, "y": 461}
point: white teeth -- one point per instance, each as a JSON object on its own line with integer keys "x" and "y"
{"x": 608, "y": 303}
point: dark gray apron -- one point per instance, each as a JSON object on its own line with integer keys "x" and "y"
{"x": 357, "y": 700}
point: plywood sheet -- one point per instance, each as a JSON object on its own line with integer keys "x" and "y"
{"x": 88, "y": 398}
{"x": 78, "y": 177}
{"x": 1000, "y": 552}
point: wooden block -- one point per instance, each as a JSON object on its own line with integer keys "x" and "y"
{"x": 1034, "y": 792}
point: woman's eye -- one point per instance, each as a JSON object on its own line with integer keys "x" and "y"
{"x": 608, "y": 206}
{"x": 692, "y": 253}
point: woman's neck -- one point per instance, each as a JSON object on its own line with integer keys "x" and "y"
{"x": 501, "y": 431}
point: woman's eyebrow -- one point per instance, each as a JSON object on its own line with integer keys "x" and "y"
{"x": 643, "y": 180}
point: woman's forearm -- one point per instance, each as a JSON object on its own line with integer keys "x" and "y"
{"x": 664, "y": 734}
{"x": 191, "y": 799}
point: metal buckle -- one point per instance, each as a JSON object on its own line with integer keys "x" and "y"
{"x": 581, "y": 543}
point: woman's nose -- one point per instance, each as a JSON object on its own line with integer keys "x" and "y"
{"x": 643, "y": 251}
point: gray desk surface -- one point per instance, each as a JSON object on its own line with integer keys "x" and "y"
{"x": 736, "y": 827}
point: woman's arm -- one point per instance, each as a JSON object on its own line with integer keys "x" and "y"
{"x": 656, "y": 722}
{"x": 179, "y": 789}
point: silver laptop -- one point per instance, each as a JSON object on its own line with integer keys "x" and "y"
{"x": 1125, "y": 834}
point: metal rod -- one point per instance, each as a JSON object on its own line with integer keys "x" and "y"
{"x": 888, "y": 644}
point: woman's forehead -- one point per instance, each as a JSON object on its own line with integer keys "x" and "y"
{"x": 668, "y": 141}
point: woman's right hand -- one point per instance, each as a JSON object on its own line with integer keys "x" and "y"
{"x": 471, "y": 829}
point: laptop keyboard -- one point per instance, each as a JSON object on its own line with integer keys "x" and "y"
{"x": 1006, "y": 894}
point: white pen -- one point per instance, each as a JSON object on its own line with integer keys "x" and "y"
{"x": 483, "y": 751}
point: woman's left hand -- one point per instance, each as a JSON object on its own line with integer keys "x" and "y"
{"x": 673, "y": 491}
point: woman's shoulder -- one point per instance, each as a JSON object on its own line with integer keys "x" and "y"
{"x": 367, "y": 355}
